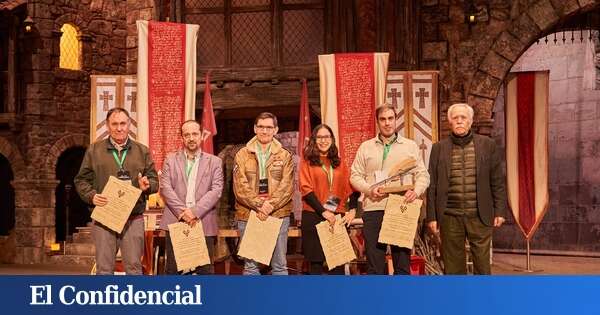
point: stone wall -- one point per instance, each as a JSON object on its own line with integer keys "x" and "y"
{"x": 56, "y": 106}
{"x": 473, "y": 61}
{"x": 57, "y": 100}
{"x": 136, "y": 10}
{"x": 572, "y": 222}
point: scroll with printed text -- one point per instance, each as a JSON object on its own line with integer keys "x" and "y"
{"x": 335, "y": 242}
{"x": 122, "y": 197}
{"x": 189, "y": 245}
{"x": 400, "y": 220}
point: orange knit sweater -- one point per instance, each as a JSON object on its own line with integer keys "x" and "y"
{"x": 314, "y": 179}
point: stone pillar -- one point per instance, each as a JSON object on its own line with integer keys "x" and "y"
{"x": 136, "y": 10}
{"x": 86, "y": 52}
{"x": 35, "y": 213}
{"x": 37, "y": 62}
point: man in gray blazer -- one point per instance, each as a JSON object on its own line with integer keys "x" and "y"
{"x": 467, "y": 195}
{"x": 191, "y": 184}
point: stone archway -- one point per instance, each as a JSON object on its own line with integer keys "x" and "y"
{"x": 35, "y": 204}
{"x": 82, "y": 26}
{"x": 13, "y": 155}
{"x": 7, "y": 197}
{"x": 509, "y": 45}
{"x": 10, "y": 152}
{"x": 70, "y": 211}
{"x": 484, "y": 93}
{"x": 59, "y": 147}
{"x": 7, "y": 211}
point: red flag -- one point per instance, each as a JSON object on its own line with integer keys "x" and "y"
{"x": 209, "y": 127}
{"x": 304, "y": 123}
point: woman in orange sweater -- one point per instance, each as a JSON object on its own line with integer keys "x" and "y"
{"x": 325, "y": 187}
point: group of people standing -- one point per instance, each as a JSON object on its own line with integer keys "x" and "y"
{"x": 465, "y": 200}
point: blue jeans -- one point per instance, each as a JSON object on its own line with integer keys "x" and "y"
{"x": 279, "y": 259}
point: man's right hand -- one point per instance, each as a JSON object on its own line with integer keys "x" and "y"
{"x": 329, "y": 216}
{"x": 433, "y": 227}
{"x": 99, "y": 200}
{"x": 376, "y": 194}
{"x": 261, "y": 216}
{"x": 187, "y": 215}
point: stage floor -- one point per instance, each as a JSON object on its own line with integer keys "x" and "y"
{"x": 503, "y": 264}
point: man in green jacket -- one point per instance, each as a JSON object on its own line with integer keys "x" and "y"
{"x": 127, "y": 160}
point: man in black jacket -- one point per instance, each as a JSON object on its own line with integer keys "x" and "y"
{"x": 467, "y": 195}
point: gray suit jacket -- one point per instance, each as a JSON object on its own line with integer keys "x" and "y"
{"x": 491, "y": 191}
{"x": 209, "y": 186}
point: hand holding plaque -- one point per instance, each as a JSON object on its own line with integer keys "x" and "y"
{"x": 260, "y": 238}
{"x": 392, "y": 183}
{"x": 400, "y": 220}
{"x": 335, "y": 242}
{"x": 122, "y": 197}
{"x": 189, "y": 245}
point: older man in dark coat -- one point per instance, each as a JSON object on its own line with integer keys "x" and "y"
{"x": 467, "y": 195}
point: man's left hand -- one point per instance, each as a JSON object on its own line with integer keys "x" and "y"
{"x": 143, "y": 182}
{"x": 187, "y": 215}
{"x": 410, "y": 196}
{"x": 266, "y": 208}
{"x": 498, "y": 221}
{"x": 348, "y": 217}
{"x": 193, "y": 222}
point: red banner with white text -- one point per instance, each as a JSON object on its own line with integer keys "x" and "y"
{"x": 166, "y": 87}
{"x": 166, "y": 83}
{"x": 352, "y": 86}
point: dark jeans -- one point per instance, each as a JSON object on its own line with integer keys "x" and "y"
{"x": 454, "y": 231}
{"x": 375, "y": 251}
{"x": 171, "y": 268}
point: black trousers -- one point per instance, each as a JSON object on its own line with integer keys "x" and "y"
{"x": 375, "y": 251}
{"x": 317, "y": 268}
{"x": 311, "y": 246}
{"x": 171, "y": 267}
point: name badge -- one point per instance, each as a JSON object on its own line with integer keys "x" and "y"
{"x": 122, "y": 174}
{"x": 263, "y": 186}
{"x": 332, "y": 203}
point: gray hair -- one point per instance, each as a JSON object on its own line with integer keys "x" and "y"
{"x": 463, "y": 105}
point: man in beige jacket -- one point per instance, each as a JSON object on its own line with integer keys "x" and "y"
{"x": 374, "y": 159}
{"x": 263, "y": 182}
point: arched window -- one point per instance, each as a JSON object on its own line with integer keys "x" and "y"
{"x": 69, "y": 48}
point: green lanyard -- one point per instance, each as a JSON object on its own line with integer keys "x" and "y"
{"x": 329, "y": 176}
{"x": 386, "y": 148}
{"x": 120, "y": 161}
{"x": 188, "y": 167}
{"x": 262, "y": 160}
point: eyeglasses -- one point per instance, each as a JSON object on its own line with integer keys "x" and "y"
{"x": 323, "y": 138}
{"x": 265, "y": 128}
